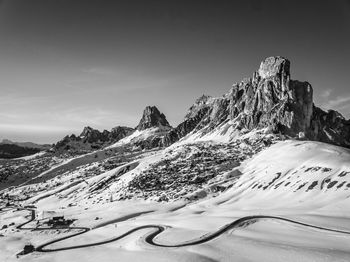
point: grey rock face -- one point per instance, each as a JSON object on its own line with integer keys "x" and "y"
{"x": 272, "y": 100}
{"x": 120, "y": 132}
{"x": 187, "y": 126}
{"x": 200, "y": 103}
{"x": 195, "y": 115}
{"x": 91, "y": 135}
{"x": 330, "y": 127}
{"x": 275, "y": 67}
{"x": 152, "y": 118}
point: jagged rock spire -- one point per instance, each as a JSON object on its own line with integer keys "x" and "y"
{"x": 152, "y": 117}
{"x": 86, "y": 131}
{"x": 276, "y": 67}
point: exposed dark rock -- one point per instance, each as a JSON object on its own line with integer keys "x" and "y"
{"x": 272, "y": 100}
{"x": 330, "y": 127}
{"x": 9, "y": 151}
{"x": 201, "y": 103}
{"x": 152, "y": 118}
{"x": 91, "y": 135}
{"x": 120, "y": 132}
{"x": 92, "y": 139}
{"x": 194, "y": 116}
{"x": 26, "y": 144}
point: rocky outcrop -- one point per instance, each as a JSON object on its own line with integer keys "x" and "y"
{"x": 91, "y": 135}
{"x": 330, "y": 127}
{"x": 152, "y": 118}
{"x": 120, "y": 132}
{"x": 194, "y": 116}
{"x": 270, "y": 99}
{"x": 92, "y": 139}
{"x": 153, "y": 128}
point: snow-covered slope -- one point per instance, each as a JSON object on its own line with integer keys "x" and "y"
{"x": 140, "y": 136}
{"x": 202, "y": 186}
{"x": 294, "y": 175}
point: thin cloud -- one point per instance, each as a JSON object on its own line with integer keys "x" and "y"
{"x": 32, "y": 128}
{"x": 341, "y": 104}
{"x": 99, "y": 71}
{"x": 17, "y": 99}
{"x": 339, "y": 101}
{"x": 326, "y": 93}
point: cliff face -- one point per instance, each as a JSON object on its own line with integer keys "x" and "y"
{"x": 194, "y": 116}
{"x": 152, "y": 118}
{"x": 330, "y": 127}
{"x": 91, "y": 139}
{"x": 270, "y": 99}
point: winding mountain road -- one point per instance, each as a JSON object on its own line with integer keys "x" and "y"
{"x": 158, "y": 229}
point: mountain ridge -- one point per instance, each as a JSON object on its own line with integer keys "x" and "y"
{"x": 268, "y": 100}
{"x": 26, "y": 144}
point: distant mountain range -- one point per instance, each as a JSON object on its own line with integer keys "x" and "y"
{"x": 269, "y": 100}
{"x": 25, "y": 144}
{"x": 10, "y": 149}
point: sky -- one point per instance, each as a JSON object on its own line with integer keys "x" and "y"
{"x": 68, "y": 64}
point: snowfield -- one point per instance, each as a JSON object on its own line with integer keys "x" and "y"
{"x": 303, "y": 181}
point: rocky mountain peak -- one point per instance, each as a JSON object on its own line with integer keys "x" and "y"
{"x": 120, "y": 132}
{"x": 202, "y": 99}
{"x": 92, "y": 139}
{"x": 276, "y": 68}
{"x": 273, "y": 66}
{"x": 152, "y": 117}
{"x": 86, "y": 131}
{"x": 269, "y": 100}
{"x": 200, "y": 103}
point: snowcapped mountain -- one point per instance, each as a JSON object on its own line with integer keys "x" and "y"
{"x": 223, "y": 131}
{"x": 269, "y": 100}
{"x": 150, "y": 131}
{"x": 316, "y": 176}
{"x": 261, "y": 151}
{"x": 153, "y": 118}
